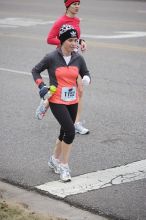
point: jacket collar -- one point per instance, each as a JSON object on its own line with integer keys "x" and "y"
{"x": 60, "y": 52}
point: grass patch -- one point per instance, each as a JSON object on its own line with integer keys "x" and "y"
{"x": 10, "y": 211}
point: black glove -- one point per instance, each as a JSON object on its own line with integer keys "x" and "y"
{"x": 43, "y": 90}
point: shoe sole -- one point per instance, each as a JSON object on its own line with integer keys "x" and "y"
{"x": 65, "y": 181}
{"x": 77, "y": 132}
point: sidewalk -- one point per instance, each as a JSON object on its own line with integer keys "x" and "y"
{"x": 43, "y": 204}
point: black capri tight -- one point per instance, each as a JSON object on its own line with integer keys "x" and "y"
{"x": 65, "y": 115}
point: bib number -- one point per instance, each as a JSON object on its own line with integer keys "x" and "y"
{"x": 68, "y": 94}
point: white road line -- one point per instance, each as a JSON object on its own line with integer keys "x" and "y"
{"x": 97, "y": 180}
{"x": 21, "y": 72}
{"x": 118, "y": 35}
{"x": 15, "y": 71}
{"x": 22, "y": 22}
{"x": 7, "y": 26}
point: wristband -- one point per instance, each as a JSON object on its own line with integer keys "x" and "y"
{"x": 42, "y": 84}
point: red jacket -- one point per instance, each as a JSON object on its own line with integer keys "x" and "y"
{"x": 53, "y": 35}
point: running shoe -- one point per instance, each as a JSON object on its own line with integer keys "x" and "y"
{"x": 65, "y": 173}
{"x": 41, "y": 110}
{"x": 54, "y": 164}
{"x": 80, "y": 129}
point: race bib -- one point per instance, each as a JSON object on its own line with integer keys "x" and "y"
{"x": 68, "y": 94}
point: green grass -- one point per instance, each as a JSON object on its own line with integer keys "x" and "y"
{"x": 10, "y": 211}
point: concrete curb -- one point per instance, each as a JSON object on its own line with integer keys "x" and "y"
{"x": 43, "y": 204}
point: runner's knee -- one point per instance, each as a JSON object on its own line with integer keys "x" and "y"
{"x": 69, "y": 136}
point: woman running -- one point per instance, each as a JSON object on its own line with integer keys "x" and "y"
{"x": 63, "y": 66}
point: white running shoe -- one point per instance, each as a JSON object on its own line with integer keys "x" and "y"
{"x": 54, "y": 164}
{"x": 41, "y": 110}
{"x": 80, "y": 129}
{"x": 65, "y": 173}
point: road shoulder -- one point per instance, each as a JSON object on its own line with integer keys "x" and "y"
{"x": 43, "y": 204}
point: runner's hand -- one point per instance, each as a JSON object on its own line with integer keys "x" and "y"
{"x": 83, "y": 46}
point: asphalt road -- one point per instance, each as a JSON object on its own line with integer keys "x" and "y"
{"x": 114, "y": 104}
